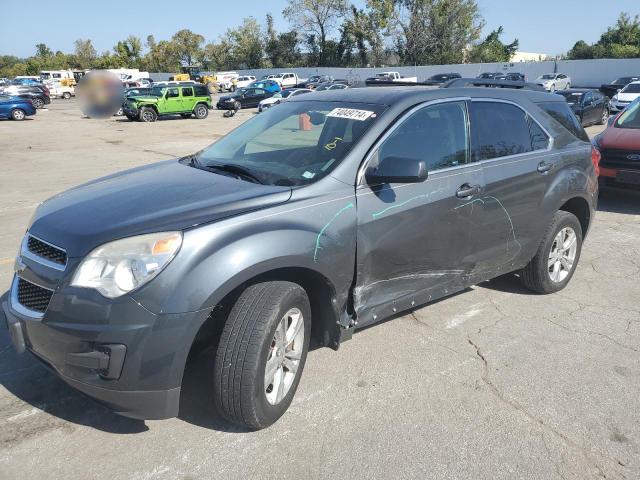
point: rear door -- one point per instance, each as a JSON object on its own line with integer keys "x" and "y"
{"x": 414, "y": 239}
{"x": 188, "y": 99}
{"x": 513, "y": 150}
{"x": 589, "y": 113}
{"x": 173, "y": 102}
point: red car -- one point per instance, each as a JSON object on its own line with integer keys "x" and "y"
{"x": 619, "y": 146}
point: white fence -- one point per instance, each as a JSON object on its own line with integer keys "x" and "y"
{"x": 583, "y": 73}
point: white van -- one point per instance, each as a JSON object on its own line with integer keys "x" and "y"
{"x": 54, "y": 75}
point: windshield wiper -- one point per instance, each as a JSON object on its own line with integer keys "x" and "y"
{"x": 234, "y": 169}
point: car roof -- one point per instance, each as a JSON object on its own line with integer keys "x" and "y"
{"x": 391, "y": 95}
{"x": 579, "y": 90}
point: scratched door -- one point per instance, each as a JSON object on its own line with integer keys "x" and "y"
{"x": 513, "y": 151}
{"x": 416, "y": 237}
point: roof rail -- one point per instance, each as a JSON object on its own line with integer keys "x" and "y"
{"x": 492, "y": 83}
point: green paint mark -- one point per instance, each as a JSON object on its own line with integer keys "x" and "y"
{"x": 338, "y": 213}
{"x": 402, "y": 204}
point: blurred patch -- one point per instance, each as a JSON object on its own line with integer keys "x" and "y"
{"x": 100, "y": 93}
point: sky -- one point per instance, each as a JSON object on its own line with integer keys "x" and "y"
{"x": 542, "y": 26}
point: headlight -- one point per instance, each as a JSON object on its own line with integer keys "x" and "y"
{"x": 119, "y": 267}
{"x": 615, "y": 98}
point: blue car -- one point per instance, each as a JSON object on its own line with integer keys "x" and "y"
{"x": 268, "y": 85}
{"x": 15, "y": 108}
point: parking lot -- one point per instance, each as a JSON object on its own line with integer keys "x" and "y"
{"x": 492, "y": 383}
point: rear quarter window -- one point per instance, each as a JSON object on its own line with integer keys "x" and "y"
{"x": 562, "y": 114}
{"x": 201, "y": 91}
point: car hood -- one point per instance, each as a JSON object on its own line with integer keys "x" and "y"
{"x": 228, "y": 97}
{"x": 620, "y": 139}
{"x": 163, "y": 196}
{"x": 627, "y": 97}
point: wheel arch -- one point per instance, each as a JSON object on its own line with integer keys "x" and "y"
{"x": 579, "y": 207}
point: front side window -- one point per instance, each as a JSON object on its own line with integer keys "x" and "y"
{"x": 498, "y": 130}
{"x": 172, "y": 93}
{"x": 436, "y": 134}
{"x": 295, "y": 144}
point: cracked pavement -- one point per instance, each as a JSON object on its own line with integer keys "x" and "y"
{"x": 491, "y": 383}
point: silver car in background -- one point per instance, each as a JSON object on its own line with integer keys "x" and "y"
{"x": 554, "y": 81}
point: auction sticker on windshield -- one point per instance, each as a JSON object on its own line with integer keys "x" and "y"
{"x": 350, "y": 113}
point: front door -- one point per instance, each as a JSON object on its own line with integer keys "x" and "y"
{"x": 414, "y": 240}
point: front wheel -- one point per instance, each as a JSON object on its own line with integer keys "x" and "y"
{"x": 261, "y": 354}
{"x": 557, "y": 257}
{"x": 604, "y": 118}
{"x": 148, "y": 114}
{"x": 201, "y": 111}
{"x": 66, "y": 95}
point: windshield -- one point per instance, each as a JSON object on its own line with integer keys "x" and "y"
{"x": 548, "y": 76}
{"x": 572, "y": 97}
{"x": 315, "y": 78}
{"x": 439, "y": 77}
{"x": 630, "y": 118}
{"x": 294, "y": 144}
{"x": 631, "y": 88}
{"x": 157, "y": 91}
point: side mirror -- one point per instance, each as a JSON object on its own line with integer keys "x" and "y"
{"x": 394, "y": 169}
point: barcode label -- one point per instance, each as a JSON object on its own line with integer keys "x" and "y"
{"x": 350, "y": 113}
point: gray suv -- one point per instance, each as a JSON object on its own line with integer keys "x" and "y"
{"x": 327, "y": 214}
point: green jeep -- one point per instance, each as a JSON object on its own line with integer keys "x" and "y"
{"x": 169, "y": 100}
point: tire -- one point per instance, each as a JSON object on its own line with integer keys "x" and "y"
{"x": 536, "y": 275}
{"x": 18, "y": 114}
{"x": 604, "y": 118}
{"x": 568, "y": 86}
{"x": 237, "y": 106}
{"x": 201, "y": 111}
{"x": 249, "y": 343}
{"x": 553, "y": 88}
{"x": 37, "y": 103}
{"x": 66, "y": 95}
{"x": 147, "y": 114}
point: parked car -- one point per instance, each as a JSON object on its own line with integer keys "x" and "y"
{"x": 624, "y": 97}
{"x": 134, "y": 92}
{"x": 590, "y": 106}
{"x": 389, "y": 78}
{"x": 27, "y": 80}
{"x": 37, "y": 93}
{"x": 619, "y": 146}
{"x": 278, "y": 98}
{"x": 58, "y": 90}
{"x": 491, "y": 83}
{"x": 331, "y": 86}
{"x": 554, "y": 81}
{"x": 611, "y": 89}
{"x": 488, "y": 75}
{"x": 513, "y": 76}
{"x": 16, "y": 108}
{"x": 245, "y": 80}
{"x": 243, "y": 98}
{"x": 441, "y": 78}
{"x": 185, "y": 100}
{"x": 288, "y": 79}
{"x": 327, "y": 214}
{"x": 268, "y": 85}
{"x": 315, "y": 80}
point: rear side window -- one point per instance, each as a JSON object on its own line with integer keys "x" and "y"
{"x": 561, "y": 112}
{"x": 187, "y": 92}
{"x": 498, "y": 130}
{"x": 201, "y": 91}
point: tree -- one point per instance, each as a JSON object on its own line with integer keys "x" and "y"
{"x": 245, "y": 41}
{"x": 580, "y": 51}
{"x": 187, "y": 45}
{"x": 127, "y": 52}
{"x": 162, "y": 57}
{"x": 316, "y": 19}
{"x": 282, "y": 49}
{"x": 429, "y": 31}
{"x": 85, "y": 53}
{"x": 492, "y": 50}
{"x": 215, "y": 56}
{"x": 621, "y": 40}
{"x": 43, "y": 51}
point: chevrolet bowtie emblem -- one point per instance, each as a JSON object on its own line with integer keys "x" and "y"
{"x": 634, "y": 157}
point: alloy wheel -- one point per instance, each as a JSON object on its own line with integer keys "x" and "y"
{"x": 283, "y": 356}
{"x": 562, "y": 254}
{"x": 18, "y": 115}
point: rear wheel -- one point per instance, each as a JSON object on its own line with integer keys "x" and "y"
{"x": 557, "y": 257}
{"x": 38, "y": 102}
{"x": 201, "y": 111}
{"x": 18, "y": 114}
{"x": 605, "y": 116}
{"x": 66, "y": 95}
{"x": 148, "y": 114}
{"x": 261, "y": 354}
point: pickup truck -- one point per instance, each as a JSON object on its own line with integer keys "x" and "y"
{"x": 288, "y": 79}
{"x": 386, "y": 77}
{"x": 330, "y": 213}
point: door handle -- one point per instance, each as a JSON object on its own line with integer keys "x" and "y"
{"x": 544, "y": 167}
{"x": 467, "y": 190}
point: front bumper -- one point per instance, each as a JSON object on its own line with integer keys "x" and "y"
{"x": 129, "y": 110}
{"x": 115, "y": 351}
{"x": 617, "y": 106}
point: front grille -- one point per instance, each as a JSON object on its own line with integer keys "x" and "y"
{"x": 46, "y": 251}
{"x": 612, "y": 158}
{"x": 32, "y": 296}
